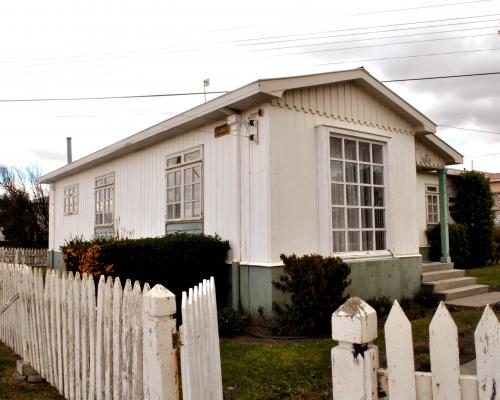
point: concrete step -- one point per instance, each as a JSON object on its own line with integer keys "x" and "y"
{"x": 451, "y": 283}
{"x": 436, "y": 266}
{"x": 477, "y": 302}
{"x": 466, "y": 291}
{"x": 440, "y": 275}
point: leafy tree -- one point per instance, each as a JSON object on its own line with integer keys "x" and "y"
{"x": 473, "y": 208}
{"x": 24, "y": 207}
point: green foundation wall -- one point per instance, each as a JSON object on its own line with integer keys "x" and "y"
{"x": 55, "y": 260}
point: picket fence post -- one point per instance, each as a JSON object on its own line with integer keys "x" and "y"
{"x": 355, "y": 359}
{"x": 159, "y": 355}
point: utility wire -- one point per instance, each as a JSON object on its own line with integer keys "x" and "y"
{"x": 227, "y": 91}
{"x": 408, "y": 56}
{"x": 470, "y": 129}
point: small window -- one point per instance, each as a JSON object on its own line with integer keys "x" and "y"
{"x": 104, "y": 196}
{"x": 71, "y": 200}
{"x": 432, "y": 204}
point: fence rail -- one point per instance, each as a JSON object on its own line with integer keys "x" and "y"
{"x": 355, "y": 360}
{"x": 113, "y": 343}
{"x": 31, "y": 257}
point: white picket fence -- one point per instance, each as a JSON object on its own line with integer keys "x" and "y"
{"x": 116, "y": 343}
{"x": 355, "y": 360}
{"x": 32, "y": 257}
{"x": 200, "y": 352}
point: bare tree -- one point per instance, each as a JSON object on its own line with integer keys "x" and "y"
{"x": 24, "y": 206}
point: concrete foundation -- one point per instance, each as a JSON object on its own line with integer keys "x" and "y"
{"x": 55, "y": 260}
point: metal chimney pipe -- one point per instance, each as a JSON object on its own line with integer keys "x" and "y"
{"x": 68, "y": 150}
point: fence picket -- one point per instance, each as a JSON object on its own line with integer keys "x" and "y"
{"x": 77, "y": 284}
{"x": 136, "y": 320}
{"x": 108, "y": 340}
{"x": 92, "y": 337}
{"x": 70, "y": 332}
{"x": 487, "y": 341}
{"x": 126, "y": 341}
{"x": 117, "y": 339}
{"x": 84, "y": 350}
{"x": 99, "y": 356}
{"x": 399, "y": 351}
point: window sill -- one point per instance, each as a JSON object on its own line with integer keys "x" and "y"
{"x": 357, "y": 255}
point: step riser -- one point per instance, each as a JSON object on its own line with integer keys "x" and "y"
{"x": 437, "y": 286}
{"x": 436, "y": 267}
{"x": 464, "y": 293}
{"x": 455, "y": 273}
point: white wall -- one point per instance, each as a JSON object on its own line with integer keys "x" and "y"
{"x": 140, "y": 191}
{"x": 293, "y": 160}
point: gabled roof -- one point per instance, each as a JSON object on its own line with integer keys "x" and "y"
{"x": 240, "y": 100}
{"x": 494, "y": 176}
{"x": 449, "y": 154}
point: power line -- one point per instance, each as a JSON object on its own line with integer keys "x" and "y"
{"x": 424, "y": 78}
{"x": 470, "y": 129}
{"x": 408, "y": 56}
{"x": 368, "y": 27}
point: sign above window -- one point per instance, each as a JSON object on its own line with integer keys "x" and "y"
{"x": 222, "y": 130}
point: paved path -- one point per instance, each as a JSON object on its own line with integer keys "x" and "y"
{"x": 475, "y": 302}
{"x": 469, "y": 368}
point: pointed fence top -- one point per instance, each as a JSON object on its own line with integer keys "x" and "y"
{"x": 159, "y": 301}
{"x": 354, "y": 322}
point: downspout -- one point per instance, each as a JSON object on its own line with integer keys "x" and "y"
{"x": 443, "y": 217}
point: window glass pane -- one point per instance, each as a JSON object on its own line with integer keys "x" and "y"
{"x": 351, "y": 172}
{"x": 196, "y": 209}
{"x": 177, "y": 194}
{"x": 177, "y": 210}
{"x": 188, "y": 209}
{"x": 364, "y": 151}
{"x": 367, "y": 240}
{"x": 98, "y": 219}
{"x": 352, "y": 195}
{"x": 378, "y": 175}
{"x": 379, "y": 240}
{"x": 173, "y": 161}
{"x": 335, "y": 147}
{"x": 366, "y": 195}
{"x": 337, "y": 171}
{"x": 378, "y": 196}
{"x": 379, "y": 218}
{"x": 338, "y": 241}
{"x": 188, "y": 193}
{"x": 337, "y": 194}
{"x": 365, "y": 173}
{"x": 353, "y": 218}
{"x": 350, "y": 149}
{"x": 188, "y": 176}
{"x": 338, "y": 218}
{"x": 197, "y": 191}
{"x": 194, "y": 155}
{"x": 431, "y": 188}
{"x": 170, "y": 211}
{"x": 366, "y": 218}
{"x": 177, "y": 178}
{"x": 377, "y": 156}
{"x": 353, "y": 241}
{"x": 197, "y": 174}
{"x": 171, "y": 179}
{"x": 170, "y": 195}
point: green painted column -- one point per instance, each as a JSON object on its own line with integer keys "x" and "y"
{"x": 443, "y": 217}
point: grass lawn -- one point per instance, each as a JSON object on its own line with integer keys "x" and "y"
{"x": 301, "y": 370}
{"x": 12, "y": 390}
{"x": 486, "y": 275}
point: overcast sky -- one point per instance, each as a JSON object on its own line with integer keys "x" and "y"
{"x": 68, "y": 48}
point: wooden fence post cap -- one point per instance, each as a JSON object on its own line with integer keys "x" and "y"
{"x": 159, "y": 301}
{"x": 354, "y": 322}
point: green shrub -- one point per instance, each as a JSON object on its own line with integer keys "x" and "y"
{"x": 382, "y": 305}
{"x": 459, "y": 244}
{"x": 231, "y": 322}
{"x": 177, "y": 261}
{"x": 473, "y": 208}
{"x": 496, "y": 245}
{"x": 316, "y": 287}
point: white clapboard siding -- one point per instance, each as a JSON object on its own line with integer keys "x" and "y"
{"x": 400, "y": 381}
{"x": 200, "y": 351}
{"x": 90, "y": 345}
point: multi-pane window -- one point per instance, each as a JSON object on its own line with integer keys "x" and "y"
{"x": 184, "y": 185}
{"x": 104, "y": 199}
{"x": 357, "y": 195}
{"x": 71, "y": 200}
{"x": 432, "y": 202}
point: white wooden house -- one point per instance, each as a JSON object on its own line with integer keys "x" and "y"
{"x": 332, "y": 163}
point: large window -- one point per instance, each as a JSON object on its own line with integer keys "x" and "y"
{"x": 104, "y": 200}
{"x": 184, "y": 186}
{"x": 432, "y": 203}
{"x": 357, "y": 195}
{"x": 71, "y": 200}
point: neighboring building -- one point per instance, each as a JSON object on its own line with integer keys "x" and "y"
{"x": 495, "y": 188}
{"x": 332, "y": 163}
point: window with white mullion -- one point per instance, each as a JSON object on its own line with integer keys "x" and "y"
{"x": 357, "y": 195}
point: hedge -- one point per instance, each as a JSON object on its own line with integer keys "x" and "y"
{"x": 459, "y": 244}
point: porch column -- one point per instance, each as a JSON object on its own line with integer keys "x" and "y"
{"x": 443, "y": 217}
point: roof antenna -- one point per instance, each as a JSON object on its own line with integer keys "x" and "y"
{"x": 206, "y": 82}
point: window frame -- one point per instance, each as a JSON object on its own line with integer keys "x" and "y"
{"x": 431, "y": 193}
{"x": 182, "y": 165}
{"x": 100, "y": 187}
{"x": 325, "y": 228}
{"x": 73, "y": 196}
